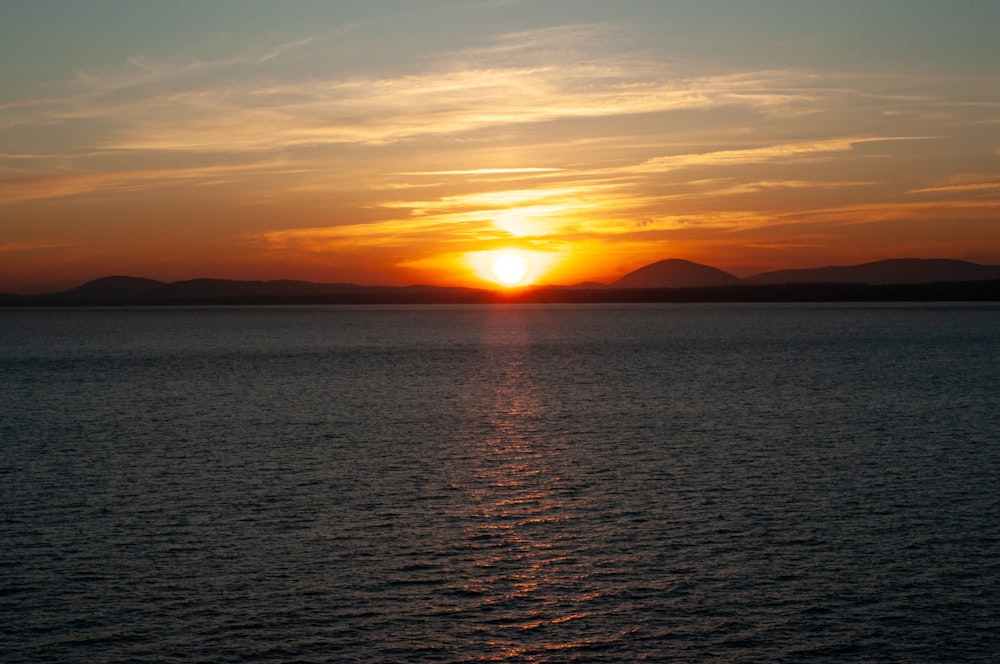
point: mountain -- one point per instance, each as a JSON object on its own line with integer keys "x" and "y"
{"x": 136, "y": 289}
{"x": 676, "y": 273}
{"x": 112, "y": 288}
{"x": 893, "y": 271}
{"x": 120, "y": 290}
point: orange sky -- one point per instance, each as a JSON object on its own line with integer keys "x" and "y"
{"x": 410, "y": 143}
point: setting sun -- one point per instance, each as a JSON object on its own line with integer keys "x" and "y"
{"x": 509, "y": 268}
{"x": 513, "y": 266}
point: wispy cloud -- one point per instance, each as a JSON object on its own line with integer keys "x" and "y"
{"x": 59, "y": 185}
{"x": 225, "y": 105}
{"x": 784, "y": 151}
{"x": 868, "y": 213}
{"x": 375, "y": 111}
{"x": 51, "y": 186}
{"x": 952, "y": 188}
{"x": 486, "y": 171}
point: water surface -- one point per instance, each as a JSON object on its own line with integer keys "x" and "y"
{"x": 501, "y": 483}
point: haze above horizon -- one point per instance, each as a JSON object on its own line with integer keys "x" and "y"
{"x": 404, "y": 143}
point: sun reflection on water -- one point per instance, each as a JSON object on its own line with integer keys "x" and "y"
{"x": 534, "y": 595}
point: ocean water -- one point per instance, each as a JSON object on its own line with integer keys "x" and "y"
{"x": 607, "y": 483}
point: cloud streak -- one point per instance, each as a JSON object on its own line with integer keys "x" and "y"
{"x": 225, "y": 106}
{"x": 60, "y": 185}
{"x": 958, "y": 188}
{"x": 784, "y": 151}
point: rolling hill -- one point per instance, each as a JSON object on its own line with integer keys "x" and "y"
{"x": 676, "y": 273}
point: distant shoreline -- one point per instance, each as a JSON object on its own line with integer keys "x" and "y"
{"x": 969, "y": 291}
{"x": 668, "y": 280}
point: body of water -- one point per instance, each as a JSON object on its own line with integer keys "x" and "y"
{"x": 607, "y": 483}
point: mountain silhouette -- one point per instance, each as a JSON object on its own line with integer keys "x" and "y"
{"x": 676, "y": 273}
{"x": 121, "y": 290}
{"x": 670, "y": 280}
{"x": 892, "y": 271}
{"x": 113, "y": 288}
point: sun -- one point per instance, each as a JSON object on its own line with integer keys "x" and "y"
{"x": 509, "y": 268}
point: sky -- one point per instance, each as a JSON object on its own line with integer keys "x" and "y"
{"x": 399, "y": 142}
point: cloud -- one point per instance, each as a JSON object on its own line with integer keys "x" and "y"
{"x": 782, "y": 151}
{"x": 234, "y": 105}
{"x": 13, "y": 190}
{"x": 446, "y": 229}
{"x": 731, "y": 187}
{"x": 486, "y": 171}
{"x": 378, "y": 111}
{"x": 866, "y": 213}
{"x": 51, "y": 186}
{"x": 950, "y": 188}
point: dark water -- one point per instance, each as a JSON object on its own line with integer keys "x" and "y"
{"x": 548, "y": 484}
